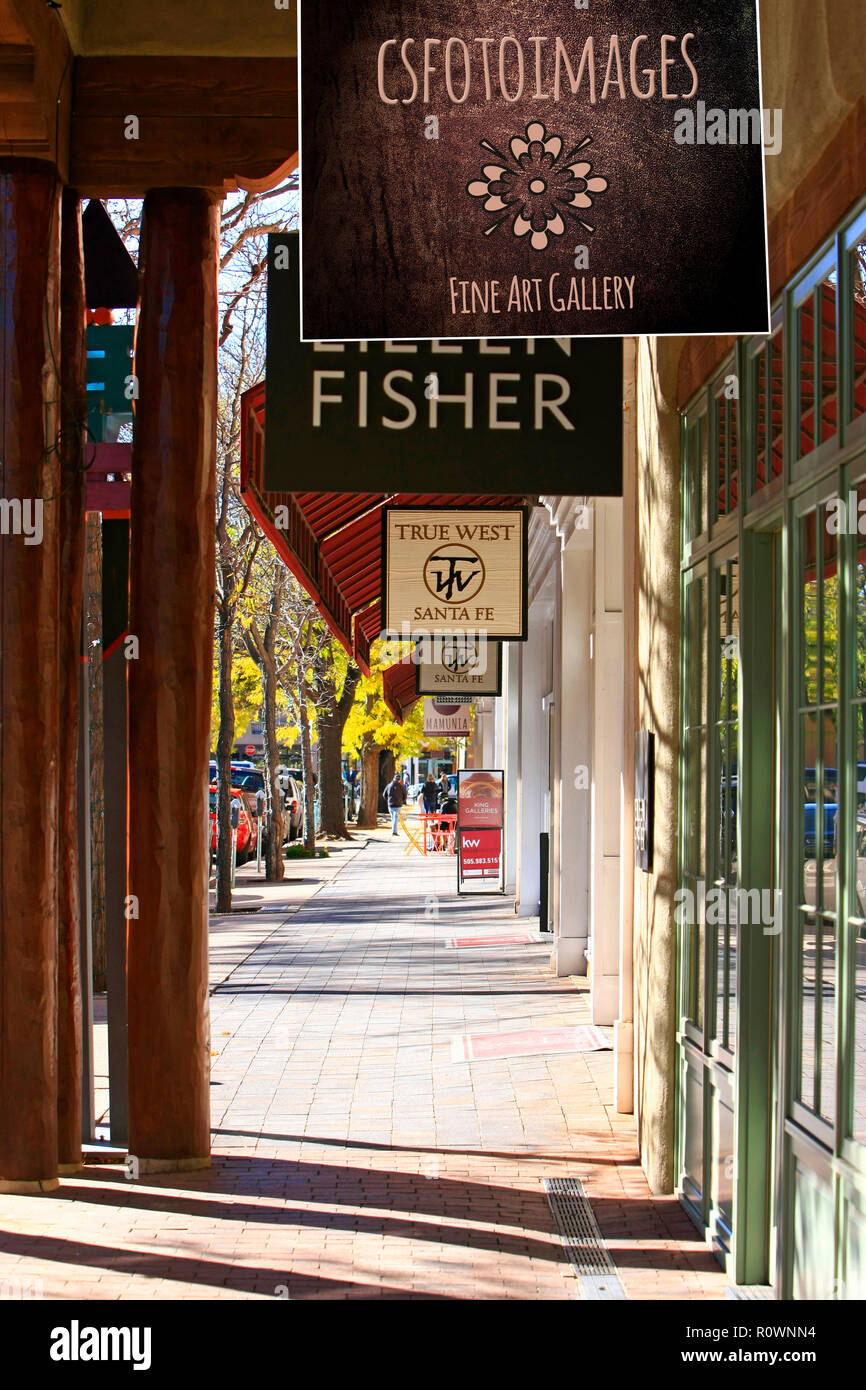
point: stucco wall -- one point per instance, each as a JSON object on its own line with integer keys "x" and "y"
{"x": 658, "y": 507}
{"x": 814, "y": 71}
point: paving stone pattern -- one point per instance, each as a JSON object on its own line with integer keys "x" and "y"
{"x": 352, "y": 1156}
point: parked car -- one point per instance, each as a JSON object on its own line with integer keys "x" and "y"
{"x": 294, "y": 795}
{"x": 246, "y": 824}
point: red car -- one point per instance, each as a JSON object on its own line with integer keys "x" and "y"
{"x": 246, "y": 829}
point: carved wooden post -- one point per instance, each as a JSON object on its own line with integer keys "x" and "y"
{"x": 172, "y": 568}
{"x": 29, "y": 349}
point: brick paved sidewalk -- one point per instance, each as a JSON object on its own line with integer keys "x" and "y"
{"x": 352, "y": 1156}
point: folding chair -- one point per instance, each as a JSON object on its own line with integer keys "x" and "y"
{"x": 410, "y": 835}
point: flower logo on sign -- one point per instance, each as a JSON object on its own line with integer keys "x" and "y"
{"x": 535, "y": 183}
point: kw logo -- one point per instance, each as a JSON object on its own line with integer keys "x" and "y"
{"x": 471, "y": 844}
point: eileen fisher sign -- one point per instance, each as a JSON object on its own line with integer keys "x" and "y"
{"x": 541, "y": 416}
{"x": 456, "y": 570}
{"x": 476, "y": 169}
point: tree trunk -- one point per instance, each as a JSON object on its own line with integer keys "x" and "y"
{"x": 307, "y": 768}
{"x": 368, "y": 816}
{"x": 274, "y": 871}
{"x": 225, "y": 742}
{"x": 387, "y": 768}
{"x": 331, "y": 722}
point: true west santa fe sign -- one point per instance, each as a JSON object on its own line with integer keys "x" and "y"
{"x": 477, "y": 168}
{"x": 455, "y": 571}
{"x": 532, "y": 416}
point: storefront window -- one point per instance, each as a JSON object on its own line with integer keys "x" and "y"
{"x": 856, "y": 994}
{"x": 806, "y": 411}
{"x": 858, "y": 354}
{"x": 726, "y": 734}
{"x": 726, "y": 446}
{"x": 695, "y": 766}
{"x": 765, "y": 403}
{"x": 695, "y": 500}
{"x": 826, "y": 370}
{"x": 819, "y": 724}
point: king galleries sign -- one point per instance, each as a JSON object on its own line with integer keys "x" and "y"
{"x": 475, "y": 169}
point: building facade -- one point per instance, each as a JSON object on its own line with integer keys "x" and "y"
{"x": 720, "y": 607}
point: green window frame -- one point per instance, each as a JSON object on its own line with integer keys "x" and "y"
{"x": 770, "y": 444}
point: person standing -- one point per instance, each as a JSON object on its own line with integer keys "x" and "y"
{"x": 395, "y": 799}
{"x": 444, "y": 785}
{"x": 430, "y": 794}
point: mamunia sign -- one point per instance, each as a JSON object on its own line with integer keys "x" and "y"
{"x": 472, "y": 168}
{"x": 446, "y": 719}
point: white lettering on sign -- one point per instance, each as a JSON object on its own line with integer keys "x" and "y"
{"x": 398, "y": 398}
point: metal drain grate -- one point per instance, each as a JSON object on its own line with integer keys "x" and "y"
{"x": 582, "y": 1240}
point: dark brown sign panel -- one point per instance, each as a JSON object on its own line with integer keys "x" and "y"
{"x": 512, "y": 416}
{"x": 474, "y": 168}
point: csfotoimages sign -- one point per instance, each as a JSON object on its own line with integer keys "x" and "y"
{"x": 461, "y": 570}
{"x": 477, "y": 169}
{"x": 541, "y": 416}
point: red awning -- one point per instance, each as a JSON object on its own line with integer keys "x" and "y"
{"x": 398, "y": 686}
{"x": 332, "y": 541}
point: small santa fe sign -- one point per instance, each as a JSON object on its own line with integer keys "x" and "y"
{"x": 455, "y": 572}
{"x": 555, "y": 167}
{"x": 444, "y": 717}
{"x": 460, "y": 664}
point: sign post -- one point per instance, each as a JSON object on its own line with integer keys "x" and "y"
{"x": 480, "y": 830}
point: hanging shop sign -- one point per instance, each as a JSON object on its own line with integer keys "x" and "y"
{"x": 459, "y": 665}
{"x": 480, "y": 830}
{"x": 529, "y": 416}
{"x": 485, "y": 170}
{"x": 455, "y": 572}
{"x": 446, "y": 718}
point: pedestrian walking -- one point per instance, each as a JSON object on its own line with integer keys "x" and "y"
{"x": 395, "y": 799}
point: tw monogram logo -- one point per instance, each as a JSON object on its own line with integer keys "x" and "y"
{"x": 461, "y": 655}
{"x": 455, "y": 572}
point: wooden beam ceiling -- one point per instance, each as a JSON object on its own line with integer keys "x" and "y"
{"x": 35, "y": 83}
{"x": 218, "y": 123}
{"x": 203, "y": 122}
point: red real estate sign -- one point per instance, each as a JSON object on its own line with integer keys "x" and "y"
{"x": 480, "y": 853}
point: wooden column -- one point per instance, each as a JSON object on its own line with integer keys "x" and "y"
{"x": 73, "y": 485}
{"x": 172, "y": 614}
{"x": 29, "y": 259}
